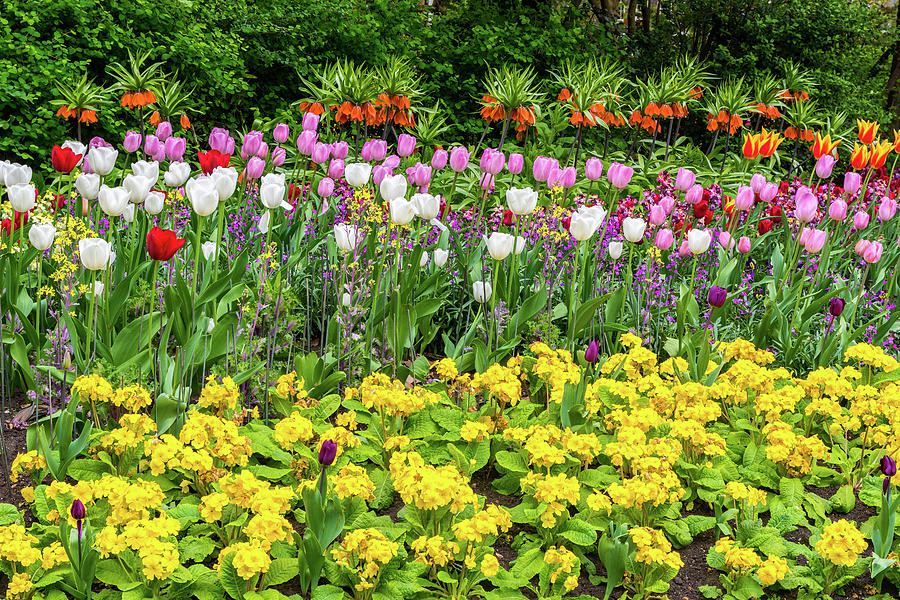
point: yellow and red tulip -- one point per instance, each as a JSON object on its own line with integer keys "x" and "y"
{"x": 859, "y": 158}
{"x": 867, "y": 131}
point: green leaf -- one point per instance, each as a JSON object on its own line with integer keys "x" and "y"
{"x": 8, "y": 514}
{"x": 791, "y": 491}
{"x": 511, "y": 461}
{"x": 110, "y": 572}
{"x": 233, "y": 584}
{"x": 195, "y": 549}
{"x": 282, "y": 570}
{"x": 579, "y": 533}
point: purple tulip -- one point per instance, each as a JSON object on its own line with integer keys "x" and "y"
{"x": 306, "y": 141}
{"x": 78, "y": 511}
{"x": 757, "y": 183}
{"x": 281, "y": 133}
{"x": 366, "y": 153}
{"x": 439, "y": 159}
{"x": 492, "y": 161}
{"x": 685, "y": 179}
{"x": 888, "y": 466}
{"x": 516, "y": 163}
{"x": 327, "y": 453}
{"x": 379, "y": 149}
{"x": 98, "y": 142}
{"x": 392, "y": 162}
{"x": 175, "y": 148}
{"x": 132, "y": 141}
{"x": 619, "y": 175}
{"x": 541, "y": 167}
{"x": 768, "y": 193}
{"x": 717, "y": 296}
{"x": 593, "y": 169}
{"x": 255, "y": 167}
{"x": 278, "y": 156}
{"x": 838, "y": 210}
{"x": 664, "y": 239}
{"x": 263, "y": 150}
{"x": 379, "y": 173}
{"x": 250, "y": 146}
{"x": 852, "y": 181}
{"x": 151, "y": 144}
{"x": 459, "y": 159}
{"x": 593, "y": 352}
{"x": 326, "y": 187}
{"x": 695, "y": 194}
{"x": 320, "y": 153}
{"x": 310, "y": 121}
{"x": 340, "y": 149}
{"x": 336, "y": 168}
{"x": 217, "y": 139}
{"x": 824, "y": 166}
{"x": 836, "y": 307}
{"x": 163, "y": 130}
{"x": 406, "y": 145}
{"x": 743, "y": 201}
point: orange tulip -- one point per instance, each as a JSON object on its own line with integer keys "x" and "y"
{"x": 822, "y": 146}
{"x": 879, "y": 154}
{"x": 751, "y": 145}
{"x": 867, "y": 131}
{"x": 859, "y": 158}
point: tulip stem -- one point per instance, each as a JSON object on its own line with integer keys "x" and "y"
{"x": 858, "y": 298}
{"x": 152, "y": 308}
{"x": 201, "y": 221}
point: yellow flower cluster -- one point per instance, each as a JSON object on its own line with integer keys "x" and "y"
{"x": 130, "y": 433}
{"x": 555, "y": 490}
{"x": 741, "y": 560}
{"x": 772, "y": 570}
{"x": 434, "y": 551}
{"x": 245, "y": 490}
{"x": 391, "y": 397}
{"x": 217, "y": 436}
{"x": 796, "y": 453}
{"x": 548, "y": 445}
{"x": 250, "y": 558}
{"x": 446, "y": 368}
{"x": 152, "y": 539}
{"x": 132, "y": 398}
{"x": 93, "y": 388}
{"x": 744, "y": 350}
{"x": 501, "y": 382}
{"x": 492, "y": 520}
{"x": 872, "y": 356}
{"x": 555, "y": 368}
{"x": 18, "y": 545}
{"x": 475, "y": 431}
{"x": 652, "y": 547}
{"x": 564, "y": 562}
{"x": 129, "y": 500}
{"x": 739, "y": 492}
{"x": 289, "y": 388}
{"x": 353, "y": 481}
{"x": 364, "y": 552}
{"x": 292, "y": 429}
{"x": 29, "y": 463}
{"x": 219, "y": 397}
{"x": 841, "y": 543}
{"x": 428, "y": 487}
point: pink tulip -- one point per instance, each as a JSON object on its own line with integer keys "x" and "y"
{"x": 860, "y": 220}
{"x": 516, "y": 163}
{"x": 175, "y": 148}
{"x": 335, "y": 168}
{"x": 768, "y": 193}
{"x": 340, "y": 149}
{"x": 132, "y": 141}
{"x": 152, "y": 144}
{"x": 163, "y": 130}
{"x": 887, "y": 209}
{"x": 824, "y": 166}
{"x": 541, "y": 168}
{"x": 593, "y": 169}
{"x": 281, "y": 133}
{"x": 804, "y": 235}
{"x": 278, "y": 156}
{"x": 459, "y": 159}
{"x": 806, "y": 205}
{"x": 263, "y": 150}
{"x": 439, "y": 159}
{"x": 320, "y": 153}
{"x": 685, "y": 179}
{"x": 379, "y": 173}
{"x": 861, "y": 246}
{"x": 392, "y": 162}
{"x": 668, "y": 204}
{"x": 757, "y": 183}
{"x": 492, "y": 161}
{"x": 725, "y": 240}
{"x": 568, "y": 177}
{"x": 852, "y": 181}
{"x": 619, "y": 175}
{"x": 816, "y": 240}
{"x": 744, "y": 199}
{"x": 306, "y": 141}
{"x": 255, "y": 167}
{"x": 325, "y": 187}
{"x": 743, "y": 245}
{"x": 310, "y": 121}
{"x": 487, "y": 182}
{"x": 684, "y": 249}
{"x": 252, "y": 140}
{"x": 555, "y": 177}
{"x": 695, "y": 194}
{"x": 657, "y": 215}
{"x": 221, "y": 140}
{"x": 406, "y": 144}
{"x": 838, "y": 210}
{"x": 873, "y": 253}
{"x": 664, "y": 239}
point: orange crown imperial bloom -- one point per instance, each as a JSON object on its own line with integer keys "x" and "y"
{"x": 859, "y": 158}
{"x": 751, "y": 145}
{"x": 564, "y": 95}
{"x": 155, "y": 118}
{"x": 652, "y": 110}
{"x": 823, "y": 146}
{"x": 88, "y": 116}
{"x": 65, "y": 112}
{"x": 879, "y": 154}
{"x": 185, "y": 122}
{"x": 867, "y": 131}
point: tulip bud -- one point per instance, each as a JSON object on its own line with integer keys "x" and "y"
{"x": 540, "y": 169}
{"x": 278, "y": 156}
{"x": 440, "y": 257}
{"x": 132, "y": 141}
{"x": 743, "y": 201}
{"x": 516, "y": 163}
{"x": 757, "y": 183}
{"x": 836, "y": 307}
{"x": 281, "y": 133}
{"x": 664, "y": 239}
{"x": 838, "y": 210}
{"x": 695, "y": 194}
{"x": 327, "y": 452}
{"x": 481, "y": 290}
{"x": 78, "y": 511}
{"x": 569, "y": 174}
{"x": 684, "y": 249}
{"x": 685, "y": 179}
{"x": 768, "y": 193}
{"x": 593, "y": 169}
{"x": 255, "y": 167}
{"x": 887, "y": 209}
{"x": 860, "y": 220}
{"x": 743, "y": 245}
{"x": 335, "y": 168}
{"x": 439, "y": 159}
{"x": 615, "y": 250}
{"x": 824, "y": 166}
{"x": 717, "y": 296}
{"x": 806, "y": 205}
{"x": 406, "y": 145}
{"x": 67, "y": 361}
{"x": 888, "y": 466}
{"x": 325, "y": 188}
{"x": 310, "y": 122}
{"x": 593, "y": 352}
{"x": 852, "y": 181}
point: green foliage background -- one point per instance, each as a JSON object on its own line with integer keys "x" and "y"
{"x": 246, "y": 57}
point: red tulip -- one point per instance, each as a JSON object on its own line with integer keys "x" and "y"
{"x": 212, "y": 159}
{"x": 64, "y": 159}
{"x": 162, "y": 244}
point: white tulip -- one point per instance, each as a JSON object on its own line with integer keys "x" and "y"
{"x": 615, "y": 250}
{"x": 203, "y": 195}
{"x": 263, "y": 224}
{"x": 346, "y": 300}
{"x": 699, "y": 240}
{"x": 138, "y": 187}
{"x": 427, "y": 206}
{"x": 357, "y": 174}
{"x": 633, "y": 229}
{"x": 154, "y": 203}
{"x": 128, "y": 213}
{"x": 16, "y": 174}
{"x": 210, "y": 326}
{"x": 21, "y": 196}
{"x": 4, "y": 167}
{"x": 272, "y": 190}
{"x": 440, "y": 257}
{"x": 112, "y": 256}
{"x": 94, "y": 253}
{"x": 76, "y": 147}
{"x": 402, "y": 210}
{"x": 520, "y": 244}
{"x": 424, "y": 259}
{"x": 393, "y": 187}
{"x": 346, "y": 237}
{"x": 500, "y": 245}
{"x": 88, "y": 185}
{"x": 41, "y": 236}
{"x": 177, "y": 174}
{"x": 482, "y": 291}
{"x": 146, "y": 168}
{"x": 114, "y": 200}
{"x": 225, "y": 179}
{"x": 102, "y": 160}
{"x": 98, "y": 288}
{"x": 521, "y": 201}
{"x": 586, "y": 221}
{"x": 208, "y": 249}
